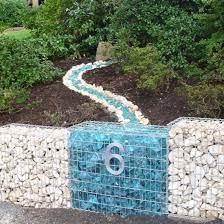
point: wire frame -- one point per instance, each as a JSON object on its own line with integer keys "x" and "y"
{"x": 194, "y": 119}
{"x": 118, "y": 168}
{"x": 40, "y": 152}
{"x": 196, "y": 170}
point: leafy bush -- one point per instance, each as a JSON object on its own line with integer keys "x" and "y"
{"x": 212, "y": 44}
{"x": 205, "y": 99}
{"x": 41, "y": 22}
{"x": 146, "y": 64}
{"x": 170, "y": 28}
{"x": 89, "y": 22}
{"x": 22, "y": 64}
{"x": 10, "y": 11}
{"x": 84, "y": 22}
{"x": 57, "y": 46}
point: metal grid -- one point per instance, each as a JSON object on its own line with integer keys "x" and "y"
{"x": 196, "y": 171}
{"x": 140, "y": 187}
{"x": 30, "y": 130}
{"x": 194, "y": 119}
{"x": 35, "y": 165}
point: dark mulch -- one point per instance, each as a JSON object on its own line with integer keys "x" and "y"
{"x": 54, "y": 104}
{"x": 160, "y": 109}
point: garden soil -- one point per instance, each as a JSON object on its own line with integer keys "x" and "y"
{"x": 55, "y": 105}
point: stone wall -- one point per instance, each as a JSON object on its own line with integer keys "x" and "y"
{"x": 34, "y": 166}
{"x": 196, "y": 181}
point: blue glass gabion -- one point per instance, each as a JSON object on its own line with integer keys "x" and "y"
{"x": 141, "y": 189}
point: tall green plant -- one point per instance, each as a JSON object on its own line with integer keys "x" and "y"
{"x": 212, "y": 43}
{"x": 146, "y": 64}
{"x": 165, "y": 24}
{"x": 22, "y": 64}
{"x": 10, "y": 11}
{"x": 87, "y": 21}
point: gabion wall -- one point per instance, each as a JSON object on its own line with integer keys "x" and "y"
{"x": 34, "y": 166}
{"x": 119, "y": 169}
{"x": 196, "y": 171}
{"x": 38, "y": 169}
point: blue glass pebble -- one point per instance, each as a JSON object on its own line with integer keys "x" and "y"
{"x": 139, "y": 189}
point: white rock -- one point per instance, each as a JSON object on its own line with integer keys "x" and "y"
{"x": 182, "y": 211}
{"x": 203, "y": 184}
{"x": 197, "y": 195}
{"x": 216, "y": 150}
{"x": 195, "y": 212}
{"x": 188, "y": 191}
{"x": 174, "y": 178}
{"x": 194, "y": 182}
{"x": 199, "y": 172}
{"x": 189, "y": 204}
{"x": 174, "y": 185}
{"x": 172, "y": 208}
{"x": 179, "y": 163}
{"x": 172, "y": 170}
{"x": 185, "y": 180}
{"x": 192, "y": 141}
{"x": 219, "y": 204}
{"x": 190, "y": 167}
{"x": 212, "y": 214}
{"x": 179, "y": 140}
{"x": 195, "y": 153}
{"x": 210, "y": 197}
{"x": 175, "y": 199}
{"x": 220, "y": 160}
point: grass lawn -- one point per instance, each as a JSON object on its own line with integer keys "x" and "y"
{"x": 17, "y": 34}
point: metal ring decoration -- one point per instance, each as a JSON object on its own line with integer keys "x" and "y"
{"x": 108, "y": 156}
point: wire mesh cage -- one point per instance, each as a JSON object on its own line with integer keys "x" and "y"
{"x": 118, "y": 168}
{"x": 196, "y": 170}
{"x": 34, "y": 166}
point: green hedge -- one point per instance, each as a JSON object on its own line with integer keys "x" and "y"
{"x": 22, "y": 64}
{"x": 169, "y": 27}
{"x": 11, "y": 10}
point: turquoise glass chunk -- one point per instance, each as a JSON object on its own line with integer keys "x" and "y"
{"x": 141, "y": 187}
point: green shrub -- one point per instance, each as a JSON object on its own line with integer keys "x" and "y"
{"x": 89, "y": 22}
{"x": 84, "y": 22}
{"x": 57, "y": 46}
{"x": 205, "y": 100}
{"x": 212, "y": 44}
{"x": 171, "y": 29}
{"x": 22, "y": 65}
{"x": 146, "y": 64}
{"x": 41, "y": 22}
{"x": 10, "y": 11}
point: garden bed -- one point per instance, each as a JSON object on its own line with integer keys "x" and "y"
{"x": 54, "y": 104}
{"x": 160, "y": 109}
